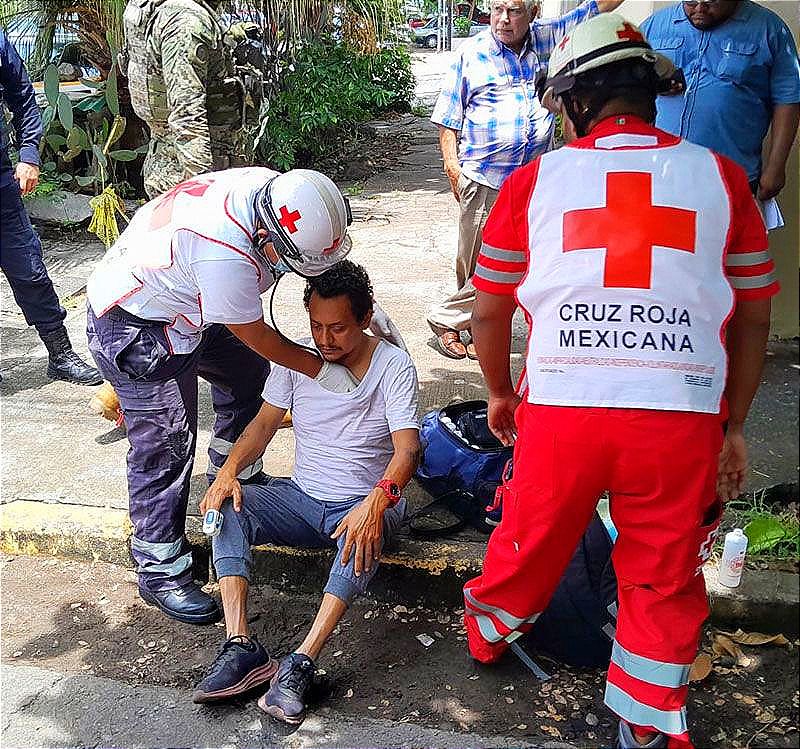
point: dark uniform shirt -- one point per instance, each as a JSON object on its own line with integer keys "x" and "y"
{"x": 16, "y": 93}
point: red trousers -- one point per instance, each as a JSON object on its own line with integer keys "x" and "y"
{"x": 660, "y": 468}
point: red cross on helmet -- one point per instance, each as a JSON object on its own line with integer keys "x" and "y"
{"x": 307, "y": 219}
{"x": 597, "y": 42}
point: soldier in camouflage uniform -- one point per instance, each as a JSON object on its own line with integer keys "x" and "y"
{"x": 183, "y": 85}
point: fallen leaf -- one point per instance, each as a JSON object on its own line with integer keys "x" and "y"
{"x": 723, "y": 645}
{"x": 348, "y": 694}
{"x": 755, "y": 638}
{"x": 591, "y": 719}
{"x": 701, "y": 667}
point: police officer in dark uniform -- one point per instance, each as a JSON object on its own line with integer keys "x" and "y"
{"x": 20, "y": 248}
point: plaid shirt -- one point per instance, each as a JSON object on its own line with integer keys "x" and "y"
{"x": 489, "y": 94}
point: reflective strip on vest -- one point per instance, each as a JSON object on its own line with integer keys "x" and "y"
{"x": 672, "y": 675}
{"x": 159, "y": 552}
{"x": 672, "y": 722}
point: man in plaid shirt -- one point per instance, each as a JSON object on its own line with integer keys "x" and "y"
{"x": 491, "y": 122}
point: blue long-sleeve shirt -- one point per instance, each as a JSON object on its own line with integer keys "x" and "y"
{"x": 16, "y": 92}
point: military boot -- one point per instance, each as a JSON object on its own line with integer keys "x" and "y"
{"x": 63, "y": 363}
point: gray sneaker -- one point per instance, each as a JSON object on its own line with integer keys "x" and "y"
{"x": 626, "y": 739}
{"x": 290, "y": 689}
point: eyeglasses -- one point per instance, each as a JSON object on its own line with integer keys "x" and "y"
{"x": 700, "y": 2}
{"x": 498, "y": 10}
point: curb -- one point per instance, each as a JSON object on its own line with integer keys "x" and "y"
{"x": 433, "y": 571}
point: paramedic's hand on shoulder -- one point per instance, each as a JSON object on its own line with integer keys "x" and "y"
{"x": 382, "y": 326}
{"x": 500, "y": 416}
{"x": 732, "y": 464}
{"x": 223, "y": 487}
{"x": 336, "y": 378}
{"x": 363, "y": 529}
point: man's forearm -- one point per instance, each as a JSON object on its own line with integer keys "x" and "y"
{"x": 746, "y": 339}
{"x": 491, "y": 332}
{"x": 785, "y": 119}
{"x": 265, "y": 341}
{"x": 448, "y": 144}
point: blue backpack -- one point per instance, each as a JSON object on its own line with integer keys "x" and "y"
{"x": 462, "y": 462}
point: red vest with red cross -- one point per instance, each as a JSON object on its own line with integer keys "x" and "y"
{"x": 626, "y": 293}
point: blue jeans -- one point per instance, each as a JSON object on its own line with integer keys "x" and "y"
{"x": 21, "y": 260}
{"x": 277, "y": 511}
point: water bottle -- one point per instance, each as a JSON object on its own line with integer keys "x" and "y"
{"x": 730, "y": 568}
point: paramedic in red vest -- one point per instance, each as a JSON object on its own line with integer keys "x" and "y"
{"x": 179, "y": 296}
{"x": 640, "y": 261}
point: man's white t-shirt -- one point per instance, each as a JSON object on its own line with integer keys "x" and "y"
{"x": 343, "y": 441}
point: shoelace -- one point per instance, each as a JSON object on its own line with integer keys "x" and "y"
{"x": 295, "y": 678}
{"x": 227, "y": 652}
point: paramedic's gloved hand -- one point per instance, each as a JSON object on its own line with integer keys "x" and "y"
{"x": 336, "y": 378}
{"x": 382, "y": 326}
{"x": 500, "y": 417}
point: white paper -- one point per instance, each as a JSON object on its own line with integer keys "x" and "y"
{"x": 770, "y": 210}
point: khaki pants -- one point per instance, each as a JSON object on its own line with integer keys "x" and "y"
{"x": 455, "y": 312}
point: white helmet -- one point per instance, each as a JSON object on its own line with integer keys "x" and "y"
{"x": 307, "y": 218}
{"x": 592, "y": 44}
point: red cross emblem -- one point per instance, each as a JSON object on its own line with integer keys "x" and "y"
{"x": 289, "y": 220}
{"x": 328, "y": 250}
{"x": 162, "y": 213}
{"x": 630, "y": 32}
{"x": 628, "y": 227}
{"x": 563, "y": 43}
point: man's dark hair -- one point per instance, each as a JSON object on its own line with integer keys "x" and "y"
{"x": 343, "y": 279}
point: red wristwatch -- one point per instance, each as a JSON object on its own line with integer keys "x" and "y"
{"x": 391, "y": 490}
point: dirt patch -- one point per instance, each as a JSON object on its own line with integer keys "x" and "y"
{"x": 76, "y": 617}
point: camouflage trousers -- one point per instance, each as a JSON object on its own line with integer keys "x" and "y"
{"x": 163, "y": 167}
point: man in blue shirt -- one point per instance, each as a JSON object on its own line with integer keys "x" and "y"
{"x": 491, "y": 122}
{"x": 742, "y": 76}
{"x": 20, "y": 248}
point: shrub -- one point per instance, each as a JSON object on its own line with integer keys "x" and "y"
{"x": 462, "y": 26}
{"x": 326, "y": 93}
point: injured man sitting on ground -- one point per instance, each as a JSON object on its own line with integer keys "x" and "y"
{"x": 354, "y": 453}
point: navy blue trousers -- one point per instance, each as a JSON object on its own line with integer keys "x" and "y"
{"x": 21, "y": 260}
{"x": 158, "y": 394}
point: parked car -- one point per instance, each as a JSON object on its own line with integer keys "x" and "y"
{"x": 478, "y": 15}
{"x": 425, "y": 36}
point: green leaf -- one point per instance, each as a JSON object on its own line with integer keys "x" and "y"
{"x": 51, "y": 84}
{"x": 47, "y": 118}
{"x": 55, "y": 141}
{"x": 112, "y": 97}
{"x": 74, "y": 139}
{"x": 764, "y": 532}
{"x": 101, "y": 157}
{"x": 93, "y": 103}
{"x": 123, "y": 155}
{"x": 143, "y": 149}
{"x": 49, "y": 166}
{"x": 65, "y": 112}
{"x": 89, "y": 83}
{"x": 64, "y": 177}
{"x": 72, "y": 153}
{"x": 84, "y": 181}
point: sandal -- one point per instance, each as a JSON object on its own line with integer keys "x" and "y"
{"x": 449, "y": 344}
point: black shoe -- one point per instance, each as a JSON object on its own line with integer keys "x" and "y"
{"x": 241, "y": 665}
{"x": 186, "y": 604}
{"x": 290, "y": 689}
{"x": 64, "y": 364}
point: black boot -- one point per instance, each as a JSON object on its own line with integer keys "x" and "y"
{"x": 64, "y": 363}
